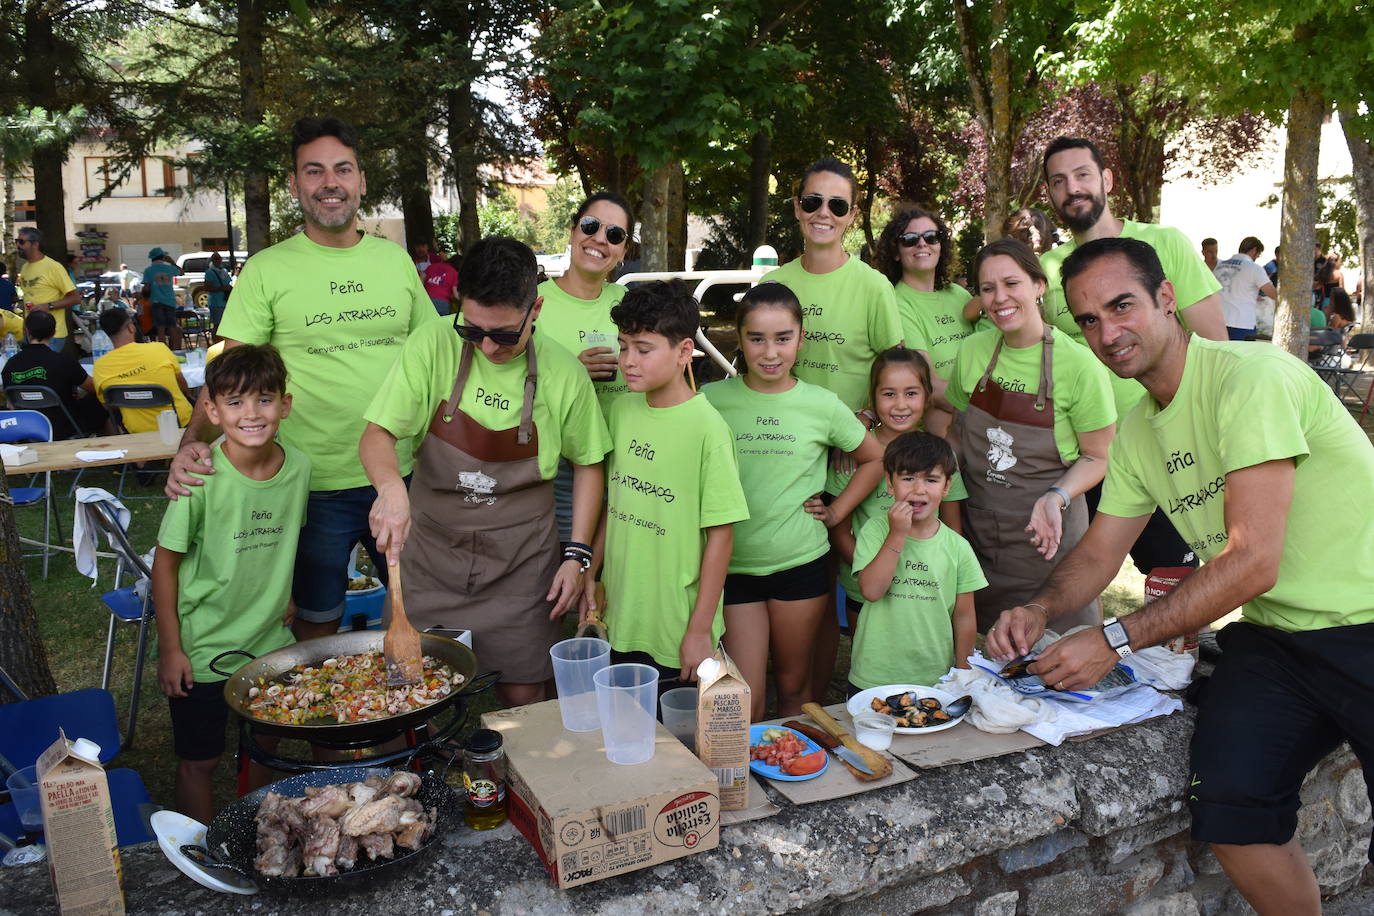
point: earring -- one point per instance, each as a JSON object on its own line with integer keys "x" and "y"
{"x": 1039, "y": 300}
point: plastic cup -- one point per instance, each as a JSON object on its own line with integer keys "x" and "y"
{"x": 603, "y": 339}
{"x": 575, "y": 662}
{"x": 23, "y": 786}
{"x": 679, "y": 707}
{"x": 625, "y": 696}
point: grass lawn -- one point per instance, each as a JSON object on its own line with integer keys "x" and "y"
{"x": 73, "y": 624}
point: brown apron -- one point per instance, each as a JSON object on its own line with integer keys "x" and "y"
{"x": 1009, "y": 460}
{"x": 483, "y": 546}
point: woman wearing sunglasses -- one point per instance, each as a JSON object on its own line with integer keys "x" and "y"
{"x": 577, "y": 310}
{"x": 849, "y": 308}
{"x": 492, "y": 408}
{"x": 914, "y": 253}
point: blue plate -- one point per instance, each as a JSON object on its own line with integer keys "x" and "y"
{"x": 763, "y": 769}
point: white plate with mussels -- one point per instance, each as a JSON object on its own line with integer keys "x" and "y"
{"x": 918, "y": 710}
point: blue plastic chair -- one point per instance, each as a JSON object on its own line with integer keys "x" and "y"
{"x": 124, "y": 603}
{"x": 31, "y": 426}
{"x": 28, "y": 727}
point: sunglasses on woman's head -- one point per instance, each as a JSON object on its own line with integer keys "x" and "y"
{"x": 590, "y": 224}
{"x": 909, "y": 239}
{"x": 812, "y": 202}
{"x": 473, "y": 334}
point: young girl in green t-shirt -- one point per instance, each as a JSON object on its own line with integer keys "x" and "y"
{"x": 784, "y": 428}
{"x": 899, "y": 395}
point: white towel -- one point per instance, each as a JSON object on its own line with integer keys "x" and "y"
{"x": 93, "y": 454}
{"x": 83, "y": 540}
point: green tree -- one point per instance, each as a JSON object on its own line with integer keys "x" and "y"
{"x": 501, "y": 216}
{"x": 561, "y": 204}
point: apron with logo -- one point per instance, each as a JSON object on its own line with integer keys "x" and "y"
{"x": 483, "y": 546}
{"x": 1010, "y": 461}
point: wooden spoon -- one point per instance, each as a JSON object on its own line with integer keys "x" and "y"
{"x": 401, "y": 643}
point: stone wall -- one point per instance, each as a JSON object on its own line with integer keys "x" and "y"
{"x": 1091, "y": 827}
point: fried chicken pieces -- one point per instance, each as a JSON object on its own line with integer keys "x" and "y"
{"x": 330, "y": 828}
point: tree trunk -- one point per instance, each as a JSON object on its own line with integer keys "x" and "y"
{"x": 1292, "y": 323}
{"x": 654, "y": 215}
{"x": 7, "y": 249}
{"x": 413, "y": 167}
{"x": 760, "y": 170}
{"x": 40, "y": 79}
{"x": 462, "y": 147}
{"x": 991, "y": 93}
{"x": 22, "y": 654}
{"x": 677, "y": 216}
{"x": 873, "y": 165}
{"x": 257, "y": 194}
{"x": 1362, "y": 171}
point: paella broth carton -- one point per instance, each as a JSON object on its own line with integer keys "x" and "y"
{"x": 723, "y": 706}
{"x": 78, "y": 820}
{"x": 588, "y": 818}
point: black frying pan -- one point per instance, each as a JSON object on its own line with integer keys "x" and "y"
{"x": 231, "y": 840}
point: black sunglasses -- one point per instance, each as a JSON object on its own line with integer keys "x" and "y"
{"x": 931, "y": 237}
{"x": 474, "y": 335}
{"x": 590, "y": 224}
{"x": 812, "y": 202}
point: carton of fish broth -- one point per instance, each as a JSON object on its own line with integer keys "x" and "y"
{"x": 723, "y": 708}
{"x": 78, "y": 820}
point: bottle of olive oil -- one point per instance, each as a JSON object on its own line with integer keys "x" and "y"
{"x": 484, "y": 779}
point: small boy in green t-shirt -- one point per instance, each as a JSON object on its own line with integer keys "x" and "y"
{"x": 673, "y": 492}
{"x": 917, "y": 575}
{"x": 224, "y": 562}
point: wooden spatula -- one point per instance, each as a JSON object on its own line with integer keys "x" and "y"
{"x": 879, "y": 764}
{"x": 593, "y": 626}
{"x": 401, "y": 643}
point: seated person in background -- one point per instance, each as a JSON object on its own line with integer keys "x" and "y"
{"x": 917, "y": 576}
{"x": 37, "y": 364}
{"x": 225, "y": 556}
{"x": 131, "y": 363}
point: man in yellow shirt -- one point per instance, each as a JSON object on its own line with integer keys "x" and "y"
{"x": 131, "y": 363}
{"x": 47, "y": 285}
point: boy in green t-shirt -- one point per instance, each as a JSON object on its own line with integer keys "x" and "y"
{"x": 673, "y": 492}
{"x": 916, "y": 574}
{"x": 224, "y": 562}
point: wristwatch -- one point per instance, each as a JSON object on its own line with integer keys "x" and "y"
{"x": 1116, "y": 637}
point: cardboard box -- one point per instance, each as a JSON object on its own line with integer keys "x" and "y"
{"x": 723, "y": 711}
{"x": 588, "y": 818}
{"x": 78, "y": 819}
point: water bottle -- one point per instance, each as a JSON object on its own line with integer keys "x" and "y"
{"x": 100, "y": 344}
{"x": 11, "y": 346}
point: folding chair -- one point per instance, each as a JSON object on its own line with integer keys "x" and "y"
{"x": 1363, "y": 345}
{"x": 31, "y": 426}
{"x": 124, "y": 397}
{"x": 28, "y": 727}
{"x": 195, "y": 326}
{"x": 1329, "y": 362}
{"x": 125, "y": 604}
{"x": 43, "y": 398}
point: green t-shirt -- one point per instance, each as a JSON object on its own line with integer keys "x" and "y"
{"x": 568, "y": 320}
{"x": 782, "y": 441}
{"x": 1318, "y": 318}
{"x": 1082, "y": 392}
{"x": 671, "y": 474}
{"x": 566, "y": 415}
{"x": 874, "y": 505}
{"x": 239, "y": 540}
{"x": 907, "y": 635}
{"x": 339, "y": 317}
{"x": 934, "y": 322}
{"x": 1241, "y": 404}
{"x": 850, "y": 316}
{"x": 1183, "y": 267}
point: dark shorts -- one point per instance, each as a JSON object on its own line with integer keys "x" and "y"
{"x": 1276, "y": 704}
{"x": 335, "y": 520}
{"x": 810, "y": 580}
{"x": 668, "y": 678}
{"x": 198, "y": 721}
{"x": 164, "y": 316}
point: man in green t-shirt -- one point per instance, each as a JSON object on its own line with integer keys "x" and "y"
{"x": 338, "y": 304}
{"x": 1078, "y": 185}
{"x": 1270, "y": 480}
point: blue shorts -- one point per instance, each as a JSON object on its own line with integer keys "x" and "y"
{"x": 335, "y": 520}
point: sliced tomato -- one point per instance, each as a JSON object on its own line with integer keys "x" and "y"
{"x": 805, "y": 765}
